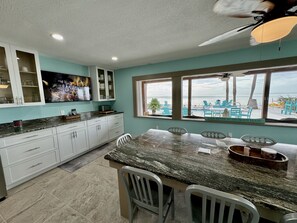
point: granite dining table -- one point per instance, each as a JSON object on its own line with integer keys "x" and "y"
{"x": 179, "y": 163}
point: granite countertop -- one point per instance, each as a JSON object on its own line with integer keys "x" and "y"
{"x": 7, "y": 129}
{"x": 176, "y": 157}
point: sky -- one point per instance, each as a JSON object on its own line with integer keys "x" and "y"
{"x": 282, "y": 83}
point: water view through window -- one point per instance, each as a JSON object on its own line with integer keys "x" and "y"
{"x": 268, "y": 94}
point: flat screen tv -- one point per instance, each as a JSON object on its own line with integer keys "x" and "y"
{"x": 59, "y": 87}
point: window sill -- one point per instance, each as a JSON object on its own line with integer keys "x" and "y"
{"x": 156, "y": 117}
{"x": 256, "y": 122}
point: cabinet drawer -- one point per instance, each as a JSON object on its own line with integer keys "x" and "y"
{"x": 27, "y": 168}
{"x": 12, "y": 140}
{"x": 96, "y": 121}
{"x": 70, "y": 127}
{"x": 115, "y": 123}
{"x": 118, "y": 116}
{"x": 24, "y": 151}
{"x": 116, "y": 132}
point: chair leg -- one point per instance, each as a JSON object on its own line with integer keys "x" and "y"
{"x": 172, "y": 206}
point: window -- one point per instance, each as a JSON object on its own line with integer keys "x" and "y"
{"x": 266, "y": 94}
{"x": 222, "y": 95}
{"x": 283, "y": 96}
{"x": 155, "y": 97}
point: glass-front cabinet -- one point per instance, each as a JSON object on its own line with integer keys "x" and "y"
{"x": 8, "y": 88}
{"x": 102, "y": 84}
{"x": 20, "y": 77}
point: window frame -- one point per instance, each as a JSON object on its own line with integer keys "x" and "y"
{"x": 177, "y": 77}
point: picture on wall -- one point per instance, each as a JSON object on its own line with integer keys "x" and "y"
{"x": 59, "y": 87}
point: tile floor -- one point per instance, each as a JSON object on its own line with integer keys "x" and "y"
{"x": 90, "y": 194}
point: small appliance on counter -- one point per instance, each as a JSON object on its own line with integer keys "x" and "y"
{"x": 105, "y": 109}
{"x": 3, "y": 191}
{"x": 72, "y": 115}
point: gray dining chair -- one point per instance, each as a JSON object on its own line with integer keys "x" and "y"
{"x": 213, "y": 134}
{"x": 122, "y": 140}
{"x": 177, "y": 130}
{"x": 289, "y": 218}
{"x": 145, "y": 190}
{"x": 212, "y": 206}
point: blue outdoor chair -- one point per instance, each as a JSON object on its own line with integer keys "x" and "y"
{"x": 207, "y": 112}
{"x": 235, "y": 113}
{"x": 248, "y": 114}
{"x": 166, "y": 111}
{"x": 205, "y": 103}
{"x": 287, "y": 108}
{"x": 217, "y": 104}
{"x": 185, "y": 111}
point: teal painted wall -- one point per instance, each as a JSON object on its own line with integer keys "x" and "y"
{"x": 51, "y": 109}
{"x": 136, "y": 126}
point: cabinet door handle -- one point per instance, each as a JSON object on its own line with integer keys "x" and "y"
{"x": 30, "y": 150}
{"x": 116, "y": 123}
{"x": 28, "y": 137}
{"x": 76, "y": 134}
{"x": 73, "y": 136}
{"x": 35, "y": 165}
{"x": 99, "y": 127}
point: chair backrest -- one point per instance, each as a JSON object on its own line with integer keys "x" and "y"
{"x": 289, "y": 218}
{"x": 235, "y": 112}
{"x": 138, "y": 185}
{"x": 177, "y": 130}
{"x": 213, "y": 134}
{"x": 205, "y": 103}
{"x": 218, "y": 206}
{"x": 122, "y": 140}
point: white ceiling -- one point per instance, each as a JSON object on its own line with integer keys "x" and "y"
{"x": 136, "y": 31}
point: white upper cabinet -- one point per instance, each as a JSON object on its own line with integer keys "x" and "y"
{"x": 20, "y": 77}
{"x": 8, "y": 86}
{"x": 102, "y": 84}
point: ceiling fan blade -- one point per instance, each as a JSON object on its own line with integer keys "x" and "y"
{"x": 242, "y": 8}
{"x": 227, "y": 35}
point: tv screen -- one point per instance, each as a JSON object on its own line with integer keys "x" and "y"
{"x": 59, "y": 87}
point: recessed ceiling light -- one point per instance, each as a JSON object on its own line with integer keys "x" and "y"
{"x": 114, "y": 58}
{"x": 57, "y": 36}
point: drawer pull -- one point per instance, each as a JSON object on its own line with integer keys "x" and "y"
{"x": 28, "y": 137}
{"x": 72, "y": 127}
{"x": 35, "y": 165}
{"x": 30, "y": 150}
{"x": 116, "y": 123}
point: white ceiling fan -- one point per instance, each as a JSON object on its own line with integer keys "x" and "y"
{"x": 274, "y": 19}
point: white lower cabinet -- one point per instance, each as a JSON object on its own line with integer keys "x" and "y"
{"x": 98, "y": 132}
{"x": 27, "y": 155}
{"x": 115, "y": 126}
{"x": 72, "y": 139}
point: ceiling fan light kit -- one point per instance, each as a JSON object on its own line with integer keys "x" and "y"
{"x": 274, "y": 30}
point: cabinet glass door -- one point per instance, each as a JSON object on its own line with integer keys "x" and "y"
{"x": 6, "y": 88}
{"x": 28, "y": 75}
{"x": 101, "y": 84}
{"x": 110, "y": 82}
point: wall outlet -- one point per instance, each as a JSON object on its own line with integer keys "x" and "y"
{"x": 230, "y": 134}
{"x": 62, "y": 112}
{"x": 157, "y": 127}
